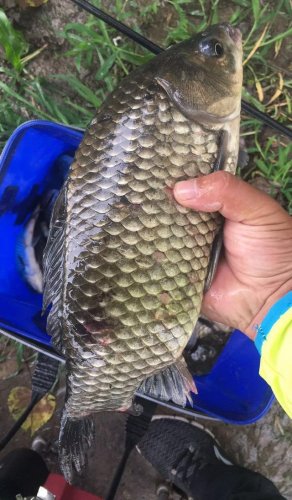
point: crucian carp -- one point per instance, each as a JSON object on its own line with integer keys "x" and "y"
{"x": 125, "y": 266}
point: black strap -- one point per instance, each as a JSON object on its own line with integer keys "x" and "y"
{"x": 136, "y": 427}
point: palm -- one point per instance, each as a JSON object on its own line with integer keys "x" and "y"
{"x": 257, "y": 256}
{"x": 256, "y": 267}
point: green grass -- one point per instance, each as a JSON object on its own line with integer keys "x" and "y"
{"x": 11, "y": 348}
{"x": 12, "y": 42}
{"x": 102, "y": 57}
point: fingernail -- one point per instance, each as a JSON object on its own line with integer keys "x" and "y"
{"x": 198, "y": 194}
{"x": 185, "y": 190}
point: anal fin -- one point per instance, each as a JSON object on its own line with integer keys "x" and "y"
{"x": 173, "y": 383}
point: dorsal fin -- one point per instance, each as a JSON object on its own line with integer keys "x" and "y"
{"x": 54, "y": 269}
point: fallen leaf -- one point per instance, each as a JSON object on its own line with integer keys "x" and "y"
{"x": 30, "y": 3}
{"x": 259, "y": 90}
{"x": 19, "y": 398}
{"x": 278, "y": 90}
{"x": 257, "y": 45}
{"x": 8, "y": 368}
{"x": 278, "y": 45}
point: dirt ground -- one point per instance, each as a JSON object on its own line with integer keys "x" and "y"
{"x": 265, "y": 446}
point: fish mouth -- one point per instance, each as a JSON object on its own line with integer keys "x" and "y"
{"x": 234, "y": 33}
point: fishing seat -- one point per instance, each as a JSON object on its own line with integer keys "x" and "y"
{"x": 36, "y": 158}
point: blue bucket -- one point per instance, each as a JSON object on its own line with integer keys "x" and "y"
{"x": 36, "y": 158}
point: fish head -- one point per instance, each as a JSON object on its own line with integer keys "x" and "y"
{"x": 203, "y": 75}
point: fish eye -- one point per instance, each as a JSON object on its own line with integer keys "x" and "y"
{"x": 212, "y": 48}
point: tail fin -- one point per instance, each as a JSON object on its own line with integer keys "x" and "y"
{"x": 76, "y": 437}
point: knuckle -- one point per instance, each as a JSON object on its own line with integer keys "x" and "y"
{"x": 223, "y": 184}
{"x": 225, "y": 179}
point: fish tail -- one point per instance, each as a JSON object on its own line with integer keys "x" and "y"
{"x": 76, "y": 437}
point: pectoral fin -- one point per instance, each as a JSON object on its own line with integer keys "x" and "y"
{"x": 214, "y": 259}
{"x": 222, "y": 151}
{"x": 218, "y": 240}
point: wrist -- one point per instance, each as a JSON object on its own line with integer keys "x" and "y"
{"x": 253, "y": 327}
{"x": 273, "y": 342}
{"x": 274, "y": 323}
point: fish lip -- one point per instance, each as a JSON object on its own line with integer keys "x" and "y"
{"x": 234, "y": 33}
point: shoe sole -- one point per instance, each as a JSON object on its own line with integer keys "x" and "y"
{"x": 218, "y": 450}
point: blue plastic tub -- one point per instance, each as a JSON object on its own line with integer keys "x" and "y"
{"x": 35, "y": 159}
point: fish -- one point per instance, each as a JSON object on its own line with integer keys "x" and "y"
{"x": 125, "y": 266}
{"x": 34, "y": 213}
{"x": 25, "y": 255}
{"x": 32, "y": 241}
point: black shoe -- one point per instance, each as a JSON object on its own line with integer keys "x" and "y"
{"x": 179, "y": 450}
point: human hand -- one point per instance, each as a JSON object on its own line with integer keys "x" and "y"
{"x": 255, "y": 269}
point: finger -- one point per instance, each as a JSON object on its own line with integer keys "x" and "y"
{"x": 235, "y": 199}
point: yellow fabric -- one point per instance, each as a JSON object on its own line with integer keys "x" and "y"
{"x": 276, "y": 360}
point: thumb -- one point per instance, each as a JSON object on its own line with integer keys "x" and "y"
{"x": 232, "y": 197}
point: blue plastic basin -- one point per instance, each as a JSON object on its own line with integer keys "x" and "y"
{"x": 233, "y": 391}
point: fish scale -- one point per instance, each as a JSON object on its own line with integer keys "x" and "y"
{"x": 146, "y": 146}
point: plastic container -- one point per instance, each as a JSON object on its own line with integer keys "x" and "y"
{"x": 27, "y": 169}
{"x": 35, "y": 159}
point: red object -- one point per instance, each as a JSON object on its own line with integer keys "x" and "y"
{"x": 57, "y": 485}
